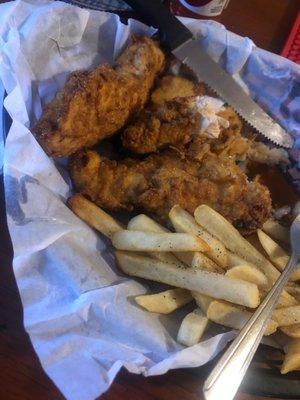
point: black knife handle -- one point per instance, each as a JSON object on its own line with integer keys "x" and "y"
{"x": 172, "y": 32}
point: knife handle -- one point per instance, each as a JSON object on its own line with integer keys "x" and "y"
{"x": 172, "y": 32}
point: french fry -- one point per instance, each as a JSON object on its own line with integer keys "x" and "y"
{"x": 208, "y": 283}
{"x": 93, "y": 215}
{"x": 151, "y": 241}
{"x": 193, "y": 259}
{"x": 291, "y": 360}
{"x": 292, "y": 331}
{"x": 202, "y": 301}
{"x": 219, "y": 227}
{"x": 164, "y": 256}
{"x": 254, "y": 241}
{"x": 233, "y": 260}
{"x": 233, "y": 316}
{"x": 276, "y": 231}
{"x": 294, "y": 290}
{"x": 287, "y": 316}
{"x": 185, "y": 222}
{"x": 199, "y": 260}
{"x": 248, "y": 273}
{"x": 186, "y": 257}
{"x": 192, "y": 328}
{"x": 143, "y": 223}
{"x": 277, "y": 255}
{"x": 282, "y": 302}
{"x": 164, "y": 302}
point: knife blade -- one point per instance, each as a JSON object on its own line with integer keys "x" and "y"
{"x": 192, "y": 54}
{"x": 180, "y": 41}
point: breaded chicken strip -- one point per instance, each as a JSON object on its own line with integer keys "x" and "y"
{"x": 172, "y": 124}
{"x": 168, "y": 120}
{"x": 94, "y": 105}
{"x": 177, "y": 122}
{"x": 160, "y": 181}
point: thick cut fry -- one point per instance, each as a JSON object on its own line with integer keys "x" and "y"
{"x": 282, "y": 302}
{"x": 276, "y": 253}
{"x": 164, "y": 256}
{"x": 199, "y": 261}
{"x": 193, "y": 259}
{"x": 248, "y": 273}
{"x": 192, "y": 328}
{"x": 294, "y": 290}
{"x": 202, "y": 262}
{"x": 276, "y": 231}
{"x": 202, "y": 301}
{"x": 151, "y": 241}
{"x": 93, "y": 215}
{"x": 186, "y": 257}
{"x": 219, "y": 227}
{"x": 291, "y": 360}
{"x": 292, "y": 331}
{"x": 233, "y": 260}
{"x": 143, "y": 223}
{"x": 287, "y": 316}
{"x": 164, "y": 302}
{"x": 209, "y": 283}
{"x": 254, "y": 241}
{"x": 233, "y": 317}
{"x": 185, "y": 222}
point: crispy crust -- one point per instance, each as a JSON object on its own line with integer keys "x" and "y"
{"x": 160, "y": 181}
{"x": 96, "y": 104}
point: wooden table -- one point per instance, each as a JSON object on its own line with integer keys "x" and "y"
{"x": 267, "y": 22}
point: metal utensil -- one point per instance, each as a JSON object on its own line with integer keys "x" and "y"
{"x": 227, "y": 375}
{"x": 178, "y": 39}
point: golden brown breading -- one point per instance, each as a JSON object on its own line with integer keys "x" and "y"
{"x": 176, "y": 123}
{"x": 168, "y": 120}
{"x": 94, "y": 105}
{"x": 160, "y": 181}
{"x": 170, "y": 86}
{"x": 172, "y": 124}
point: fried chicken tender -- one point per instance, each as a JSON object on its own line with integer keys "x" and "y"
{"x": 168, "y": 120}
{"x": 172, "y": 124}
{"x": 94, "y": 105}
{"x": 160, "y": 181}
{"x": 177, "y": 122}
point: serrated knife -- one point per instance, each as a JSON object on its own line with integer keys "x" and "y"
{"x": 180, "y": 41}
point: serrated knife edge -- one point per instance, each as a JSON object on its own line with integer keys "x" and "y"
{"x": 208, "y": 71}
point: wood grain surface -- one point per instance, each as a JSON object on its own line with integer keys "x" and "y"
{"x": 267, "y": 22}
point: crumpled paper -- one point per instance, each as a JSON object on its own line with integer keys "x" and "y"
{"x": 78, "y": 308}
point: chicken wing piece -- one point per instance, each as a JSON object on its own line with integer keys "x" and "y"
{"x": 96, "y": 104}
{"x": 160, "y": 181}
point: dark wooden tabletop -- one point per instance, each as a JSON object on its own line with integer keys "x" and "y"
{"x": 268, "y": 23}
